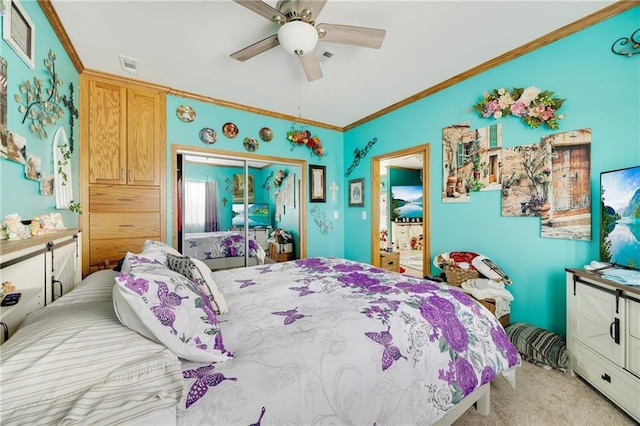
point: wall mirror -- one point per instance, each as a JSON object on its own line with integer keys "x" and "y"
{"x": 400, "y": 208}
{"x": 227, "y": 206}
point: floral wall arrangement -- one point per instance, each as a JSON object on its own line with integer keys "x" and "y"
{"x": 534, "y": 106}
{"x": 304, "y": 138}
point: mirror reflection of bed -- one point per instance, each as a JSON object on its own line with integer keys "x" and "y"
{"x": 215, "y": 215}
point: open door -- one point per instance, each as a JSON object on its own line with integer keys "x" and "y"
{"x": 408, "y": 234}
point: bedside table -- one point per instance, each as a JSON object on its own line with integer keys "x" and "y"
{"x": 390, "y": 261}
{"x": 12, "y": 316}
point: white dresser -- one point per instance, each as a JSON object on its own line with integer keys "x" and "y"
{"x": 42, "y": 269}
{"x": 603, "y": 336}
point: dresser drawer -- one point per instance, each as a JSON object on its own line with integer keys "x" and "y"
{"x": 123, "y": 225}
{"x": 634, "y": 355}
{"x": 619, "y": 385}
{"x": 390, "y": 261}
{"x": 120, "y": 198}
{"x": 114, "y": 250}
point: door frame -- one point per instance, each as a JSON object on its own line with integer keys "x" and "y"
{"x": 424, "y": 150}
{"x": 187, "y": 149}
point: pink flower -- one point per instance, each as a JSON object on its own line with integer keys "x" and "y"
{"x": 519, "y": 109}
{"x": 547, "y": 114}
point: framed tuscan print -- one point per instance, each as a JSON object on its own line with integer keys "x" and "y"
{"x": 19, "y": 32}
{"x": 239, "y": 187}
{"x": 356, "y": 192}
{"x": 318, "y": 183}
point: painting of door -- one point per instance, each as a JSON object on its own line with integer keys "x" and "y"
{"x": 571, "y": 180}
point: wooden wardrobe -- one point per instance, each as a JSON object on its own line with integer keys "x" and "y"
{"x": 122, "y": 167}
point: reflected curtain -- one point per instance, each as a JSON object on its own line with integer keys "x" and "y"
{"x": 211, "y": 220}
{"x": 200, "y": 207}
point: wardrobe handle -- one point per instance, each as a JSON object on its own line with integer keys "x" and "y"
{"x": 130, "y": 175}
{"x": 125, "y": 226}
{"x": 614, "y": 330}
{"x": 122, "y": 175}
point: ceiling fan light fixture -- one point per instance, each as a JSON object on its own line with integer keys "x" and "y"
{"x": 298, "y": 38}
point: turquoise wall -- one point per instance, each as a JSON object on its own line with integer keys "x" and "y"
{"x": 20, "y": 195}
{"x": 602, "y": 92}
{"x": 249, "y": 125}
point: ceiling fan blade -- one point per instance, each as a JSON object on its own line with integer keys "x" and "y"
{"x": 313, "y": 6}
{"x": 263, "y": 9}
{"x": 256, "y": 48}
{"x": 356, "y": 36}
{"x": 311, "y": 66}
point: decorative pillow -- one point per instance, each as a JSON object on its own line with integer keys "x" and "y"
{"x": 471, "y": 261}
{"x": 158, "y": 250}
{"x": 539, "y": 346}
{"x": 168, "y": 308}
{"x": 138, "y": 258}
{"x": 198, "y": 272}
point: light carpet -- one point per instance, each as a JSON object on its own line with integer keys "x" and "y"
{"x": 546, "y": 397}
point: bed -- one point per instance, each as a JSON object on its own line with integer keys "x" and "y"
{"x": 222, "y": 250}
{"x": 310, "y": 341}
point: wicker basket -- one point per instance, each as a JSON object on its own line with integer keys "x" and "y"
{"x": 456, "y": 276}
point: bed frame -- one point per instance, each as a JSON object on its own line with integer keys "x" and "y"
{"x": 479, "y": 397}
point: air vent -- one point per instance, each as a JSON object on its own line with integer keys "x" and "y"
{"x": 325, "y": 55}
{"x": 129, "y": 65}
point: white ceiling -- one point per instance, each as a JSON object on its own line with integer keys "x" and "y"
{"x": 186, "y": 45}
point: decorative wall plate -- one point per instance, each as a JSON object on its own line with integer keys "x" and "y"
{"x": 208, "y": 135}
{"x": 230, "y": 130}
{"x": 250, "y": 144}
{"x": 186, "y": 113}
{"x": 266, "y": 134}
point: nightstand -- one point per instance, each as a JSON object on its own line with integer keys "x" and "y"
{"x": 390, "y": 261}
{"x": 12, "y": 316}
{"x": 490, "y": 304}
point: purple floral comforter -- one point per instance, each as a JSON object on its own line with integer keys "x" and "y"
{"x": 213, "y": 245}
{"x": 332, "y": 341}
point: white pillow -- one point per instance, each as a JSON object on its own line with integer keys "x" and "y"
{"x": 158, "y": 250}
{"x": 168, "y": 308}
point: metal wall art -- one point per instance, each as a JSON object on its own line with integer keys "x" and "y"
{"x": 627, "y": 46}
{"x": 41, "y": 104}
{"x": 359, "y": 154}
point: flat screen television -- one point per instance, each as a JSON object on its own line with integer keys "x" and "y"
{"x": 406, "y": 203}
{"x": 257, "y": 214}
{"x": 620, "y": 218}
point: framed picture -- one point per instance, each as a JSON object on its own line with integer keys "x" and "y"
{"x": 19, "y": 32}
{"x": 318, "y": 183}
{"x": 239, "y": 187}
{"x": 356, "y": 192}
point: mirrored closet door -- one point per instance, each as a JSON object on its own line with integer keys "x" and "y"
{"x": 230, "y": 206}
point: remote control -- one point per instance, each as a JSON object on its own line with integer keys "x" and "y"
{"x": 11, "y": 299}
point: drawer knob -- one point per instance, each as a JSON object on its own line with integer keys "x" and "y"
{"x": 606, "y": 377}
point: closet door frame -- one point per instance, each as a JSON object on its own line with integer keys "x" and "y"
{"x": 245, "y": 158}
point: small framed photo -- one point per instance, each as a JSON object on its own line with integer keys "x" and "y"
{"x": 356, "y": 192}
{"x": 318, "y": 183}
{"x": 19, "y": 32}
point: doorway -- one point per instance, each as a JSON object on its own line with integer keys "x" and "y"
{"x": 408, "y": 234}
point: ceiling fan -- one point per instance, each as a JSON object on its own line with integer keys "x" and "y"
{"x": 299, "y": 35}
